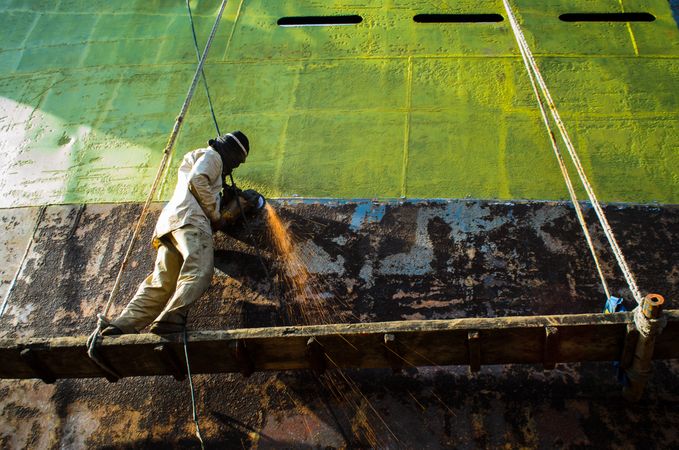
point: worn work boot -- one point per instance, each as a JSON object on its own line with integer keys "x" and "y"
{"x": 166, "y": 328}
{"x": 112, "y": 330}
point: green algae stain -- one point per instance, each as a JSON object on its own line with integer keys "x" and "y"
{"x": 64, "y": 140}
{"x": 384, "y": 108}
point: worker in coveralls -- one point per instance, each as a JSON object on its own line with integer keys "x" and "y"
{"x": 183, "y": 236}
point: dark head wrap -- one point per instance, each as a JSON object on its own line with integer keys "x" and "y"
{"x": 235, "y": 141}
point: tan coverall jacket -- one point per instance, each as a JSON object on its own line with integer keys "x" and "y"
{"x": 185, "y": 261}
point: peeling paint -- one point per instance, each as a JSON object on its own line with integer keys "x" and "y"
{"x": 88, "y": 93}
{"x": 318, "y": 261}
{"x": 20, "y": 315}
{"x": 483, "y": 259}
{"x": 366, "y": 213}
{"x": 366, "y": 274}
{"x": 17, "y": 226}
{"x": 80, "y": 424}
{"x": 471, "y": 218}
{"x": 29, "y": 416}
{"x": 418, "y": 260}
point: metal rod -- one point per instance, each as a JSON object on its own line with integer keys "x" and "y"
{"x": 650, "y": 327}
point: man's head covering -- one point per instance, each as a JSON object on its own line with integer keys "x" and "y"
{"x": 235, "y": 141}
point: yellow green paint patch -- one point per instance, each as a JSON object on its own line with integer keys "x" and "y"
{"x": 386, "y": 107}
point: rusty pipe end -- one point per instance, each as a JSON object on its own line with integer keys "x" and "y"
{"x": 652, "y": 305}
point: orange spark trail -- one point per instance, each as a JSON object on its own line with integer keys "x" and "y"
{"x": 314, "y": 308}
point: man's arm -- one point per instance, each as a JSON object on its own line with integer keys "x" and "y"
{"x": 208, "y": 168}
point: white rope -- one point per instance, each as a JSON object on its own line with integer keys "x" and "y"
{"x": 193, "y": 393}
{"x": 566, "y": 176}
{"x": 525, "y": 50}
{"x": 646, "y": 326}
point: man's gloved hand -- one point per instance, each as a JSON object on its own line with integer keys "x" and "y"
{"x": 249, "y": 200}
{"x": 228, "y": 196}
{"x": 220, "y": 224}
{"x": 251, "y": 197}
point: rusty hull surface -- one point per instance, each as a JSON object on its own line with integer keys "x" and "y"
{"x": 384, "y": 261}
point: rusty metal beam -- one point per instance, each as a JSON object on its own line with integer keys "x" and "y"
{"x": 515, "y": 340}
{"x": 650, "y": 326}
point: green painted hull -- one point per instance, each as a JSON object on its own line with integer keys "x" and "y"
{"x": 384, "y": 108}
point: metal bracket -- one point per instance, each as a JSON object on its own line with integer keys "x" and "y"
{"x": 38, "y": 366}
{"x": 393, "y": 352}
{"x": 649, "y": 322}
{"x": 240, "y": 353}
{"x": 315, "y": 355}
{"x": 474, "y": 349}
{"x": 169, "y": 359}
{"x": 551, "y": 353}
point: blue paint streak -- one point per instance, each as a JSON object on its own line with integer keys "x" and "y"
{"x": 455, "y": 210}
{"x": 367, "y": 212}
{"x": 377, "y": 212}
{"x": 360, "y": 213}
{"x": 674, "y": 4}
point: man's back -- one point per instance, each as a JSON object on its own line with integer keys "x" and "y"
{"x": 195, "y": 199}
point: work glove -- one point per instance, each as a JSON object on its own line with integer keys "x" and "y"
{"x": 229, "y": 195}
{"x": 250, "y": 201}
{"x": 223, "y": 221}
{"x": 251, "y": 198}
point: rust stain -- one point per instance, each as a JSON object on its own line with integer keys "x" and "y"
{"x": 485, "y": 259}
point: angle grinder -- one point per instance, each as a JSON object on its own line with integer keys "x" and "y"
{"x": 251, "y": 201}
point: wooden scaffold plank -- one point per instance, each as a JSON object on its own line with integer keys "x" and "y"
{"x": 546, "y": 340}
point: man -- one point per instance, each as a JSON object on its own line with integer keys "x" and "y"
{"x": 183, "y": 236}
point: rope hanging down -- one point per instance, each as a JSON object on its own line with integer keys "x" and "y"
{"x": 233, "y": 183}
{"x": 534, "y": 71}
{"x": 102, "y": 321}
{"x": 202, "y": 72}
{"x": 193, "y": 393}
{"x": 566, "y": 175}
{"x": 240, "y": 208}
{"x": 214, "y": 120}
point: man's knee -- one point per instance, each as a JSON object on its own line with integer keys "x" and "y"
{"x": 204, "y": 277}
{"x": 198, "y": 276}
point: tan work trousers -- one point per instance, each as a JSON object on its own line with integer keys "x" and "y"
{"x": 182, "y": 273}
